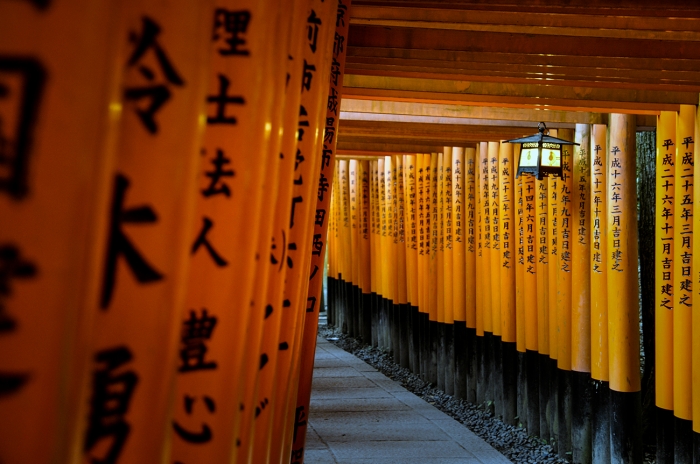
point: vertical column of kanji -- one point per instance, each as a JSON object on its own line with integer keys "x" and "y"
{"x": 137, "y": 322}
{"x": 374, "y": 248}
{"x": 696, "y": 317}
{"x": 459, "y": 283}
{"x": 531, "y": 304}
{"x": 542, "y": 259}
{"x": 506, "y": 266}
{"x": 354, "y": 255}
{"x": 600, "y": 417}
{"x": 278, "y": 319}
{"x": 318, "y": 172}
{"x": 623, "y": 292}
{"x": 230, "y": 194}
{"x": 665, "y": 204}
{"x": 433, "y": 269}
{"x": 422, "y": 264}
{"x": 563, "y": 300}
{"x": 521, "y": 321}
{"x": 682, "y": 279}
{"x": 447, "y": 275}
{"x": 59, "y": 102}
{"x": 470, "y": 234}
{"x": 496, "y": 258}
{"x": 485, "y": 286}
{"x": 411, "y": 224}
{"x": 400, "y": 239}
{"x": 365, "y": 251}
{"x": 581, "y": 298}
{"x": 553, "y": 186}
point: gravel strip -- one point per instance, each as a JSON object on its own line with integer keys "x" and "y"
{"x": 513, "y": 442}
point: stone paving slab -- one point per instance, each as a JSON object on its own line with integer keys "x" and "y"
{"x": 360, "y": 416}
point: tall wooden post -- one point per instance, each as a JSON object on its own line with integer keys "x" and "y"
{"x": 459, "y": 288}
{"x": 623, "y": 292}
{"x": 580, "y": 298}
{"x": 448, "y": 272}
{"x": 600, "y": 412}
{"x": 543, "y": 258}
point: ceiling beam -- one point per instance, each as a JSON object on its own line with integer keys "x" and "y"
{"x": 520, "y": 43}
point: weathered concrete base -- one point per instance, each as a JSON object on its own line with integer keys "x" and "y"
{"x": 472, "y": 362}
{"x": 532, "y": 365}
{"x": 564, "y": 411}
{"x": 683, "y": 441}
{"x": 545, "y": 382}
{"x": 664, "y": 436}
{"x": 449, "y": 349}
{"x": 581, "y": 417}
{"x": 600, "y": 422}
{"x": 497, "y": 376}
{"x": 461, "y": 350}
{"x": 626, "y": 428}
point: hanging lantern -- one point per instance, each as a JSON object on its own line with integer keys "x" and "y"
{"x": 540, "y": 154}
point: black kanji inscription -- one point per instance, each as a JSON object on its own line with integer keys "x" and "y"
{"x": 203, "y": 435}
{"x": 111, "y": 396}
{"x": 119, "y": 244}
{"x": 157, "y": 91}
{"x": 196, "y": 331}
{"x": 21, "y": 88}
{"x": 235, "y": 25}
{"x": 202, "y": 241}
{"x": 221, "y": 101}
{"x": 215, "y": 187}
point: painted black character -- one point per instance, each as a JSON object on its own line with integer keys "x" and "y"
{"x": 196, "y": 331}
{"x": 235, "y": 25}
{"x": 203, "y": 241}
{"x": 216, "y": 188}
{"x": 203, "y": 435}
{"x": 221, "y": 101}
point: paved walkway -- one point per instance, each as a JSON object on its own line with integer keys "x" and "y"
{"x": 358, "y": 415}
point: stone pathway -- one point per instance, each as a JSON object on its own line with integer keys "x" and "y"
{"x": 358, "y": 415}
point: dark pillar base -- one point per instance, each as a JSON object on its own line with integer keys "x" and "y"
{"x": 509, "y": 371}
{"x": 367, "y": 318}
{"x": 553, "y": 404}
{"x": 521, "y": 420}
{"x": 683, "y": 441}
{"x": 626, "y": 428}
{"x": 442, "y": 356}
{"x": 330, "y": 285}
{"x": 564, "y": 410}
{"x": 404, "y": 334}
{"x": 472, "y": 364}
{"x": 696, "y": 447}
{"x": 581, "y": 417}
{"x": 461, "y": 351}
{"x": 433, "y": 360}
{"x": 359, "y": 311}
{"x": 480, "y": 377}
{"x": 414, "y": 340}
{"x": 532, "y": 389}
{"x": 544, "y": 394}
{"x": 449, "y": 358}
{"x": 487, "y": 363}
{"x": 425, "y": 346}
{"x": 375, "y": 319}
{"x": 664, "y": 436}
{"x": 351, "y": 308}
{"x": 600, "y": 422}
{"x": 395, "y": 332}
{"x": 497, "y": 376}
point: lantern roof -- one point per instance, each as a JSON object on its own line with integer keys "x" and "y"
{"x": 541, "y": 137}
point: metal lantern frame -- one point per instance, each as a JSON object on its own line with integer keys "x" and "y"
{"x": 540, "y": 143}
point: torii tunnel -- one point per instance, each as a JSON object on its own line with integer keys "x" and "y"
{"x": 185, "y": 185}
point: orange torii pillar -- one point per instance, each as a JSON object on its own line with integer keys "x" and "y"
{"x": 375, "y": 245}
{"x": 469, "y": 225}
{"x": 508, "y": 227}
{"x": 448, "y": 271}
{"x": 682, "y": 285}
{"x": 696, "y": 318}
{"x": 600, "y": 395}
{"x": 520, "y": 328}
{"x": 411, "y": 237}
{"x": 581, "y": 297}
{"x": 459, "y": 287}
{"x": 665, "y": 214}
{"x": 365, "y": 253}
{"x": 423, "y": 261}
{"x": 485, "y": 341}
{"x": 402, "y": 314}
{"x": 553, "y": 269}
{"x": 623, "y": 292}
{"x": 563, "y": 300}
{"x": 496, "y": 348}
{"x": 542, "y": 258}
{"x": 433, "y": 271}
{"x": 439, "y": 290}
